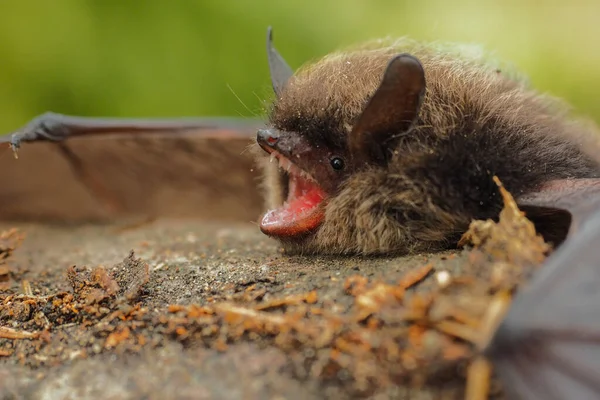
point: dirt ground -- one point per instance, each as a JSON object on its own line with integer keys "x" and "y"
{"x": 176, "y": 309}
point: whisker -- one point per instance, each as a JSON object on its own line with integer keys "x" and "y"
{"x": 240, "y": 100}
{"x": 261, "y": 100}
{"x": 248, "y": 148}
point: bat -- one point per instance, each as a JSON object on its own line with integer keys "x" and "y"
{"x": 392, "y": 146}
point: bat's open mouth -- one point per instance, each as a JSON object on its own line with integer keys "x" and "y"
{"x": 302, "y": 211}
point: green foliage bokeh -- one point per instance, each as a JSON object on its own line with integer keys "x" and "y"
{"x": 207, "y": 57}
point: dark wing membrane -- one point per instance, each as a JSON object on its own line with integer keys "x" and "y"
{"x": 564, "y": 295}
{"x": 548, "y": 346}
{"x": 57, "y": 127}
{"x": 115, "y": 168}
{"x": 536, "y": 373}
{"x": 577, "y": 360}
{"x": 564, "y": 203}
{"x": 516, "y": 381}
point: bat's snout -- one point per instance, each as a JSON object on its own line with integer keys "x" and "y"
{"x": 267, "y": 139}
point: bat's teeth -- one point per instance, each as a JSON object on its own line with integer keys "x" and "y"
{"x": 305, "y": 175}
{"x": 289, "y": 166}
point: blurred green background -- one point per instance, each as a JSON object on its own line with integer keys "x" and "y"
{"x": 189, "y": 57}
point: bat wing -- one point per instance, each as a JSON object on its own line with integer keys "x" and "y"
{"x": 548, "y": 346}
{"x": 565, "y": 203}
{"x": 79, "y": 169}
{"x": 541, "y": 375}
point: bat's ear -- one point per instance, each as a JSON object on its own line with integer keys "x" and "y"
{"x": 389, "y": 113}
{"x": 279, "y": 69}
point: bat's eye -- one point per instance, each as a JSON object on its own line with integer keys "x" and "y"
{"x": 337, "y": 163}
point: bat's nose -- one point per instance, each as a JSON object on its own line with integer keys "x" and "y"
{"x": 267, "y": 138}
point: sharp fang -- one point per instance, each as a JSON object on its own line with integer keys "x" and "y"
{"x": 289, "y": 166}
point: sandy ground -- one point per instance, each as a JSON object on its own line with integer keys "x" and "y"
{"x": 212, "y": 310}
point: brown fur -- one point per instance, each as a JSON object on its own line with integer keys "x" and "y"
{"x": 476, "y": 121}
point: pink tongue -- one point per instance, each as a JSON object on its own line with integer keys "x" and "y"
{"x": 301, "y": 213}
